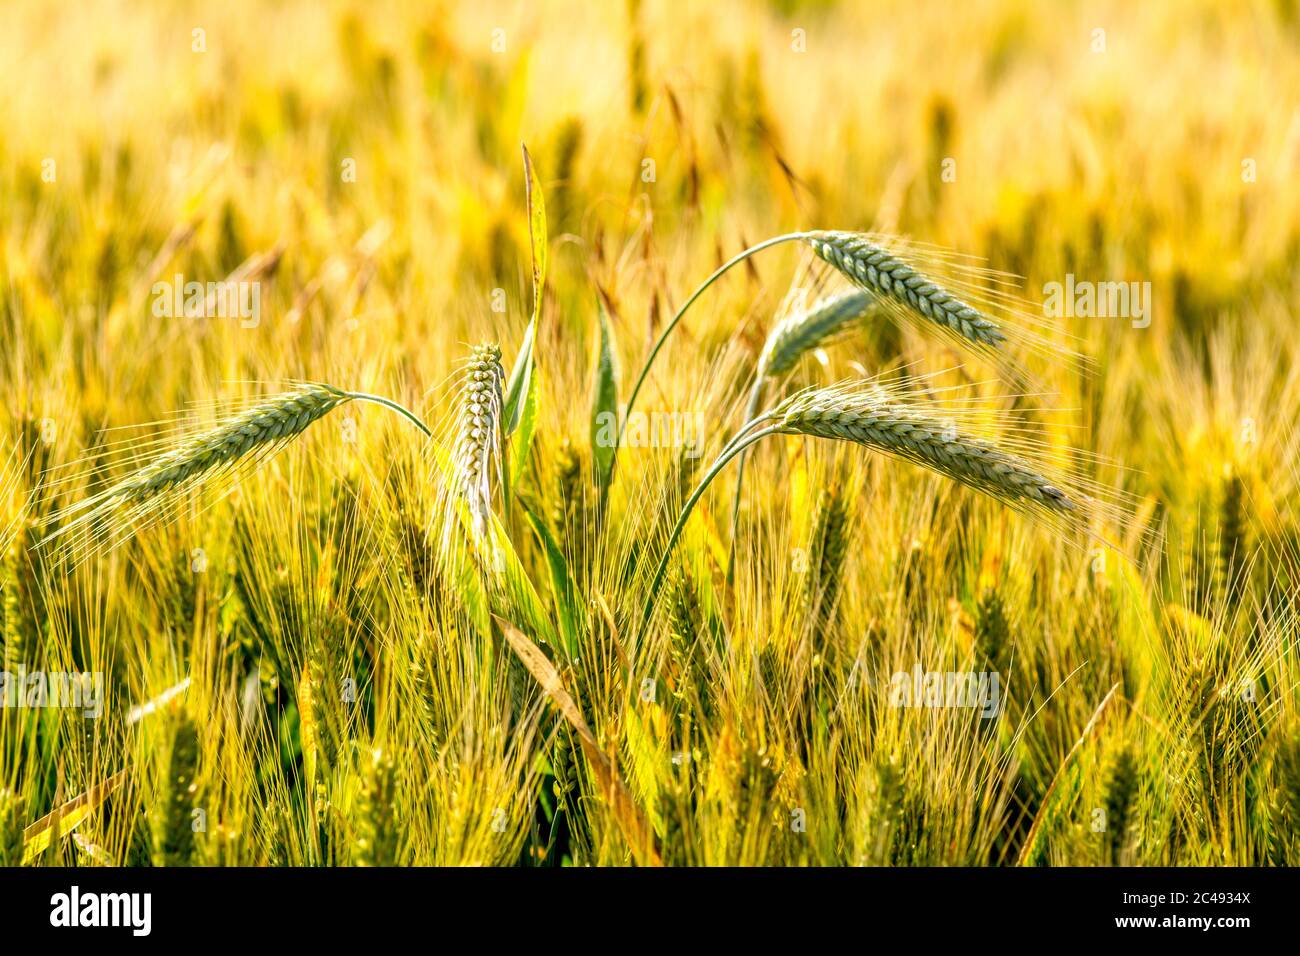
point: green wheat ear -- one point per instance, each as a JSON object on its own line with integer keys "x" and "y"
{"x": 376, "y": 828}
{"x": 827, "y": 547}
{"x": 993, "y": 638}
{"x": 877, "y": 270}
{"x": 801, "y": 332}
{"x": 881, "y": 418}
{"x": 172, "y": 824}
{"x": 235, "y": 445}
{"x": 880, "y": 422}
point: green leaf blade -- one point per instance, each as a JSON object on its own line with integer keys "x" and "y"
{"x": 604, "y": 404}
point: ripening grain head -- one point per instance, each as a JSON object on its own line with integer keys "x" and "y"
{"x": 478, "y": 438}
{"x": 948, "y": 292}
{"x": 801, "y": 332}
{"x": 878, "y": 270}
{"x": 880, "y": 418}
{"x": 233, "y": 446}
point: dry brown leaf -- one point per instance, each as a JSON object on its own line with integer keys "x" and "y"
{"x": 636, "y": 830}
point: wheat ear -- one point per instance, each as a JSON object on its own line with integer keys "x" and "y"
{"x": 791, "y": 339}
{"x": 800, "y": 332}
{"x": 880, "y": 421}
{"x": 479, "y": 440}
{"x": 866, "y": 261}
{"x": 239, "y": 442}
{"x": 877, "y": 419}
{"x": 876, "y": 269}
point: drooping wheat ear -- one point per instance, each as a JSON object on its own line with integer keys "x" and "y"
{"x": 793, "y": 338}
{"x": 877, "y": 420}
{"x": 877, "y": 417}
{"x": 267, "y": 425}
{"x": 479, "y": 443}
{"x": 238, "y": 443}
{"x": 800, "y": 332}
{"x": 876, "y": 269}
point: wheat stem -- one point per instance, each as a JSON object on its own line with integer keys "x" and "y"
{"x": 394, "y": 406}
{"x": 751, "y": 409}
{"x": 736, "y": 446}
{"x": 668, "y": 329}
{"x": 792, "y": 338}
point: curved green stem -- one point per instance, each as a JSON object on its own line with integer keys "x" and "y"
{"x": 730, "y": 452}
{"x": 390, "y": 404}
{"x": 663, "y": 336}
{"x": 744, "y": 431}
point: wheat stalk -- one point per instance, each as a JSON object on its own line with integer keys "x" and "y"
{"x": 269, "y": 424}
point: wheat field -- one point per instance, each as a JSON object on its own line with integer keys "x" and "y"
{"x": 367, "y": 498}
